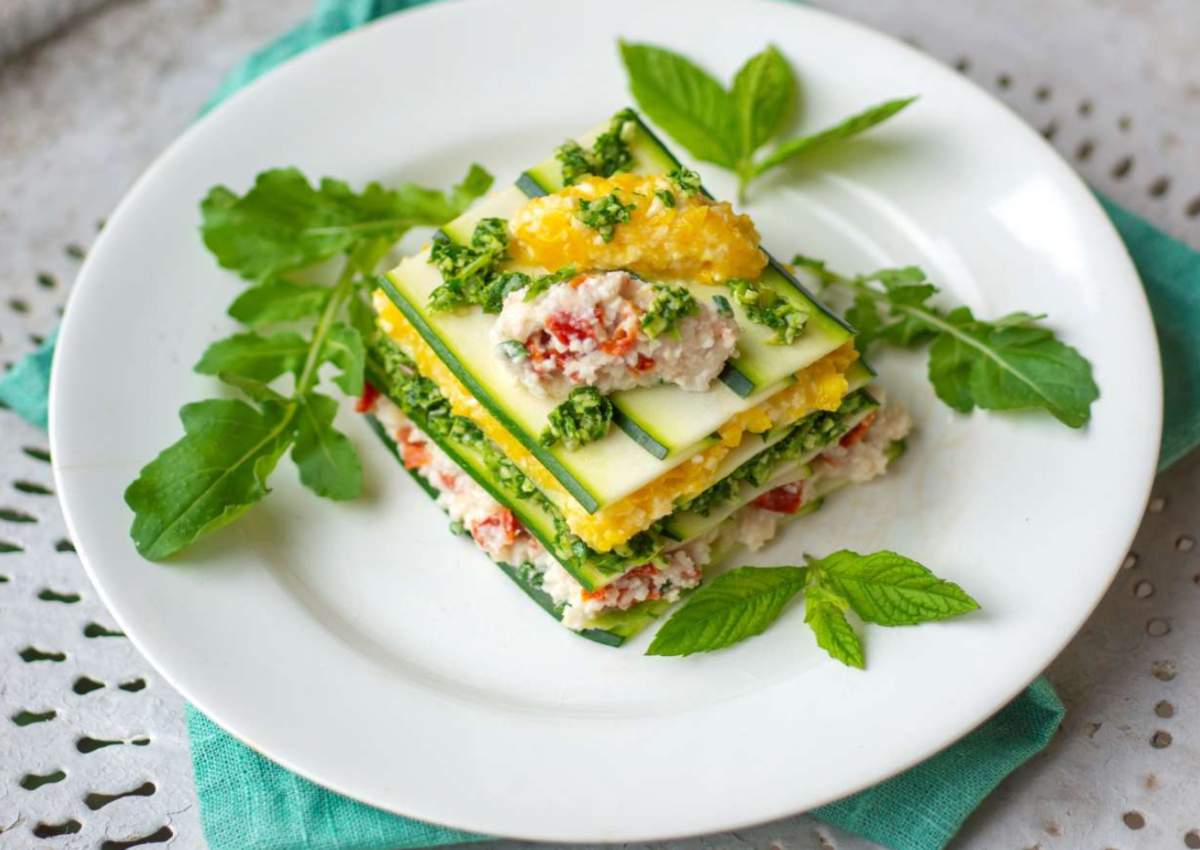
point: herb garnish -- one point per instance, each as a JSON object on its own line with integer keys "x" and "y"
{"x": 813, "y": 432}
{"x": 541, "y": 284}
{"x": 470, "y": 273}
{"x": 670, "y": 304}
{"x": 883, "y": 588}
{"x": 728, "y": 126}
{"x": 583, "y": 418}
{"x": 666, "y": 196}
{"x": 685, "y": 180}
{"x": 1012, "y": 363}
{"x": 219, "y": 468}
{"x": 767, "y": 307}
{"x": 604, "y": 214}
{"x": 610, "y": 152}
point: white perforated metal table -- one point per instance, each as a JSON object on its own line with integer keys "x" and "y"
{"x": 93, "y": 752}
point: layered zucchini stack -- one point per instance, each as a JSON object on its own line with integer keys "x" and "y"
{"x": 592, "y": 457}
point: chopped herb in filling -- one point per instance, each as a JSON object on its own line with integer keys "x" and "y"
{"x": 541, "y": 284}
{"x": 813, "y": 432}
{"x": 766, "y": 307}
{"x": 423, "y": 402}
{"x": 609, "y": 154}
{"x": 604, "y": 214}
{"x": 583, "y": 418}
{"x": 469, "y": 272}
{"x": 670, "y": 304}
{"x": 666, "y": 196}
{"x": 687, "y": 181}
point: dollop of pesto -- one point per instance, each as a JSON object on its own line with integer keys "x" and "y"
{"x": 604, "y": 214}
{"x": 766, "y": 307}
{"x": 609, "y": 154}
{"x": 670, "y": 305}
{"x": 582, "y": 418}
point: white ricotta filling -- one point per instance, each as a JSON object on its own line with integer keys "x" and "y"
{"x": 497, "y": 532}
{"x": 587, "y": 332}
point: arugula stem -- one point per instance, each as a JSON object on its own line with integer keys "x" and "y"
{"x": 341, "y": 291}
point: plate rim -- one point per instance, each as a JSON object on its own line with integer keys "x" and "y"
{"x": 277, "y": 77}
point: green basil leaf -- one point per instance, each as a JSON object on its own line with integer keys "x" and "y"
{"x": 278, "y": 301}
{"x": 851, "y": 126}
{"x": 735, "y": 606}
{"x": 825, "y": 614}
{"x": 328, "y": 463}
{"x": 209, "y": 477}
{"x": 764, "y": 90}
{"x": 262, "y": 358}
{"x": 889, "y": 589}
{"x": 684, "y": 100}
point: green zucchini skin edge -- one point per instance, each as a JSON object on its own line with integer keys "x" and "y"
{"x": 603, "y": 636}
{"x": 572, "y": 485}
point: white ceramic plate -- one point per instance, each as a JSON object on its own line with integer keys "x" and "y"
{"x": 364, "y": 647}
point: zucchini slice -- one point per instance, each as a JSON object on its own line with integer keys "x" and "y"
{"x": 658, "y": 427}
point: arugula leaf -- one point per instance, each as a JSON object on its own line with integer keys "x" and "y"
{"x": 219, "y": 467}
{"x": 278, "y": 301}
{"x": 764, "y": 91}
{"x": 841, "y": 131}
{"x": 735, "y": 606}
{"x": 684, "y": 100}
{"x": 328, "y": 463}
{"x": 344, "y": 348}
{"x": 825, "y": 613}
{"x": 974, "y": 364}
{"x": 284, "y": 223}
{"x": 209, "y": 477}
{"x": 727, "y": 127}
{"x": 1012, "y": 363}
{"x": 249, "y": 355}
{"x": 889, "y": 589}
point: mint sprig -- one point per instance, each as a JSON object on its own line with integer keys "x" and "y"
{"x": 727, "y": 127}
{"x": 219, "y": 468}
{"x": 1010, "y": 363}
{"x": 882, "y": 588}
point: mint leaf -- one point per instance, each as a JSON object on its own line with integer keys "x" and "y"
{"x": 284, "y": 223}
{"x": 684, "y": 100}
{"x": 1018, "y": 367}
{"x": 328, "y": 463}
{"x": 825, "y": 614}
{"x": 262, "y": 358}
{"x": 841, "y": 131}
{"x": 733, "y": 607}
{"x": 344, "y": 348}
{"x": 889, "y": 589}
{"x": 278, "y": 301}
{"x": 209, "y": 477}
{"x": 764, "y": 91}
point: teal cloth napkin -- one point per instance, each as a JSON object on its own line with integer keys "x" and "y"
{"x": 249, "y": 803}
